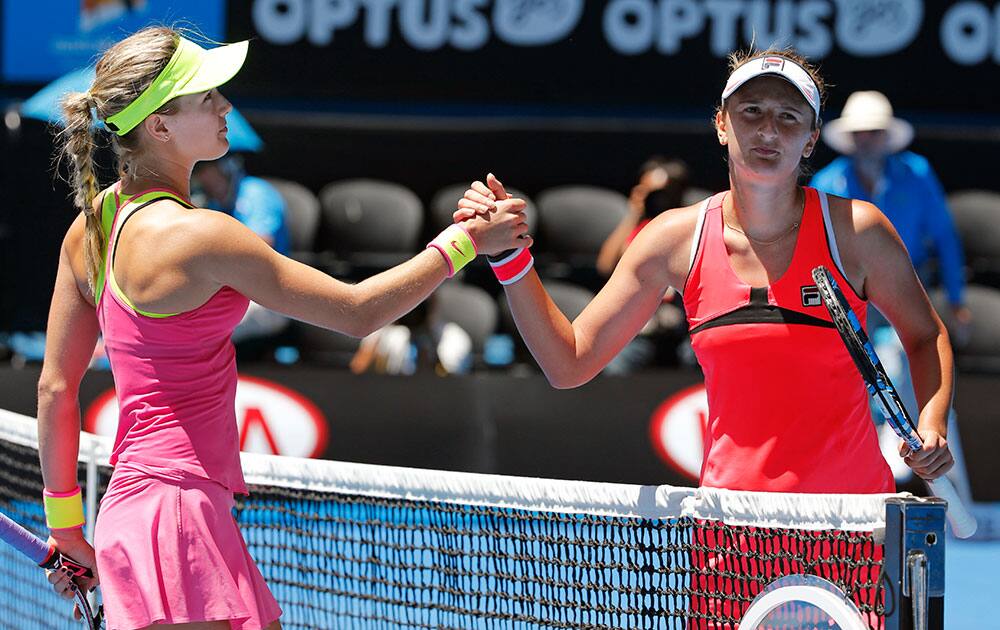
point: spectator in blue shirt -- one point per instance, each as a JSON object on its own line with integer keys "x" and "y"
{"x": 223, "y": 185}
{"x": 874, "y": 167}
{"x": 252, "y": 201}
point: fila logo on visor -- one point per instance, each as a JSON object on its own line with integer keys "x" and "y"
{"x": 776, "y": 63}
{"x": 810, "y": 296}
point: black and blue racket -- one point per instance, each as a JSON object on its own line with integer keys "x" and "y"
{"x": 48, "y": 557}
{"x": 880, "y": 388}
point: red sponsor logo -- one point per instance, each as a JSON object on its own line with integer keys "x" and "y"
{"x": 272, "y": 419}
{"x": 677, "y": 430}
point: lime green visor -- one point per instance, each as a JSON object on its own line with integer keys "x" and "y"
{"x": 191, "y": 70}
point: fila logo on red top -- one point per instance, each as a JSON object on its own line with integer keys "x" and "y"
{"x": 272, "y": 419}
{"x": 677, "y": 430}
{"x": 811, "y": 296}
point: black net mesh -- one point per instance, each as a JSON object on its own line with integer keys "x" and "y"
{"x": 337, "y": 560}
{"x": 26, "y": 599}
{"x": 345, "y": 560}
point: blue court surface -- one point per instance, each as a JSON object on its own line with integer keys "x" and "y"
{"x": 972, "y": 585}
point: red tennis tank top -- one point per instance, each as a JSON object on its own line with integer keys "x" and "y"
{"x": 787, "y": 409}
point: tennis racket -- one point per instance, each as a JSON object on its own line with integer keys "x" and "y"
{"x": 880, "y": 388}
{"x": 48, "y": 557}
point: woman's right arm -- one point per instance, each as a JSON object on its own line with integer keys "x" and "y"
{"x": 228, "y": 254}
{"x": 572, "y": 353}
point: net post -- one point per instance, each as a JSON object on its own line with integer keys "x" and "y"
{"x": 914, "y": 563}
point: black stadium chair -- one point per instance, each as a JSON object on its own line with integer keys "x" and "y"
{"x": 981, "y": 353}
{"x": 370, "y": 224}
{"x": 302, "y": 215}
{"x": 472, "y": 308}
{"x": 474, "y": 311}
{"x": 977, "y": 219}
{"x": 575, "y": 220}
{"x": 319, "y": 346}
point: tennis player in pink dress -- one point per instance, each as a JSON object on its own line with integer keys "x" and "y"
{"x": 166, "y": 283}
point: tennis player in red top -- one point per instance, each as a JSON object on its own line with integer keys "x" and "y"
{"x": 166, "y": 283}
{"x": 788, "y": 411}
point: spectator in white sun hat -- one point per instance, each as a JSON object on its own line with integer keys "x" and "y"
{"x": 874, "y": 167}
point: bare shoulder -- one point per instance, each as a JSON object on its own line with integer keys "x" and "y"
{"x": 203, "y": 221}
{"x": 72, "y": 253}
{"x": 75, "y": 235}
{"x": 170, "y": 242}
{"x": 858, "y": 223}
{"x": 865, "y": 237}
{"x": 199, "y": 240}
{"x": 672, "y": 228}
{"x": 73, "y": 242}
{"x": 186, "y": 229}
{"x": 664, "y": 245}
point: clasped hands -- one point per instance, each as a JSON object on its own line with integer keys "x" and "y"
{"x": 489, "y": 203}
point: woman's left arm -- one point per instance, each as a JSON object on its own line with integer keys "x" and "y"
{"x": 71, "y": 335}
{"x": 893, "y": 286}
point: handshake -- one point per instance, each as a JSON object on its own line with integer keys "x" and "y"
{"x": 488, "y": 221}
{"x": 494, "y": 219}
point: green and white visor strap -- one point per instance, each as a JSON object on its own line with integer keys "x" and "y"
{"x": 191, "y": 69}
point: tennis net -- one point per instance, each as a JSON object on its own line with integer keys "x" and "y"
{"x": 358, "y": 546}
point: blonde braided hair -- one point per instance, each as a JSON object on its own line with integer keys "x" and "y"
{"x": 124, "y": 71}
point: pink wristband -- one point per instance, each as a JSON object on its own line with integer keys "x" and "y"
{"x": 513, "y": 267}
{"x": 60, "y": 495}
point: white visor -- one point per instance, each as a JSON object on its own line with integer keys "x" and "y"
{"x": 778, "y": 66}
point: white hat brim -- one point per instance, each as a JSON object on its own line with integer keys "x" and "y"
{"x": 837, "y": 134}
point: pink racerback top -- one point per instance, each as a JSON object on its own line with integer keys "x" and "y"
{"x": 788, "y": 411}
{"x": 175, "y": 374}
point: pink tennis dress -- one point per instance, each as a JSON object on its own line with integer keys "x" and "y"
{"x": 168, "y": 547}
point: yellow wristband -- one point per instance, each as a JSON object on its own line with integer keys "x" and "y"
{"x": 456, "y": 246}
{"x": 63, "y": 510}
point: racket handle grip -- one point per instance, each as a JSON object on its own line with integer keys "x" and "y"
{"x": 963, "y": 523}
{"x": 24, "y": 541}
